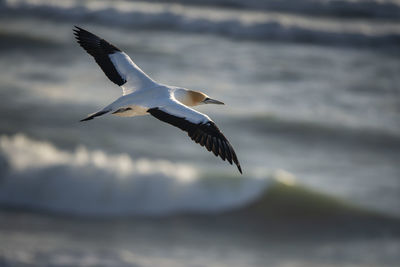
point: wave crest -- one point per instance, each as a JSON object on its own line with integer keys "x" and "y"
{"x": 38, "y": 175}
{"x": 24, "y": 154}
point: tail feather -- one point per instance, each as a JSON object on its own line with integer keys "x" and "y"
{"x": 96, "y": 114}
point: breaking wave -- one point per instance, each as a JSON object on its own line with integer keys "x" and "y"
{"x": 38, "y": 175}
{"x": 253, "y": 25}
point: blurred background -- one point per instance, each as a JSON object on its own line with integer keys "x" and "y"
{"x": 312, "y": 98}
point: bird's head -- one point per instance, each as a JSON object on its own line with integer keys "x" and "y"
{"x": 194, "y": 98}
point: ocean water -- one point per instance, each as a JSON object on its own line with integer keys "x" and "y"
{"x": 312, "y": 98}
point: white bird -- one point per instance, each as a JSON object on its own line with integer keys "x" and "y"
{"x": 141, "y": 95}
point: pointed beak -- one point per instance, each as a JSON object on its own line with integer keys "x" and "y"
{"x": 212, "y": 101}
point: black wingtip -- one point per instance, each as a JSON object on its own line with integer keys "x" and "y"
{"x": 78, "y": 31}
{"x": 240, "y": 169}
{"x": 77, "y": 28}
{"x": 92, "y": 116}
{"x": 87, "y": 119}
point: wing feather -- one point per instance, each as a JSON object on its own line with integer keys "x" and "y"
{"x": 116, "y": 65}
{"x": 200, "y": 128}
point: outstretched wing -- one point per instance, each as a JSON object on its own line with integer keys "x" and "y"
{"x": 199, "y": 127}
{"x": 116, "y": 65}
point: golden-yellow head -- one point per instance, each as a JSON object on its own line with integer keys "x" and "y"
{"x": 195, "y": 98}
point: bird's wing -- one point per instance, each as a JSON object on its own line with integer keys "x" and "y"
{"x": 200, "y": 128}
{"x": 116, "y": 65}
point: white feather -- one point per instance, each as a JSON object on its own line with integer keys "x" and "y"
{"x": 161, "y": 97}
{"x": 135, "y": 78}
{"x": 179, "y": 110}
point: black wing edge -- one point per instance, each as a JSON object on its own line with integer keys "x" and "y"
{"x": 99, "y": 49}
{"x": 94, "y": 115}
{"x": 205, "y": 134}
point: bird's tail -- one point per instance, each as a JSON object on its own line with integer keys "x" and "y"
{"x": 96, "y": 114}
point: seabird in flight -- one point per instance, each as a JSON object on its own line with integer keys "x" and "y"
{"x": 141, "y": 95}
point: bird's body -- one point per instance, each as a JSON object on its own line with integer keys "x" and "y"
{"x": 144, "y": 96}
{"x": 139, "y": 102}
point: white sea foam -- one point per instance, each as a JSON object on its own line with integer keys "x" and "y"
{"x": 36, "y": 174}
